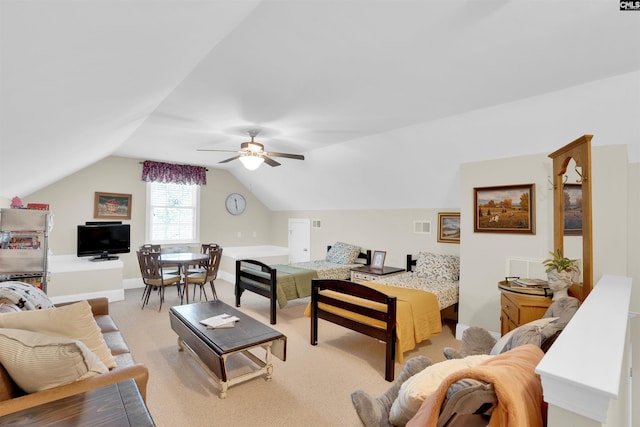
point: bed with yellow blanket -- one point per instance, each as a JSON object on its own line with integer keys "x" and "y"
{"x": 399, "y": 317}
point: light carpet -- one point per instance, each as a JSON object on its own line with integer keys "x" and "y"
{"x": 311, "y": 388}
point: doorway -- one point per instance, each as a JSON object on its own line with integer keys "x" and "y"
{"x": 299, "y": 240}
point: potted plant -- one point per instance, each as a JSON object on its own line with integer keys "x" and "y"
{"x": 560, "y": 270}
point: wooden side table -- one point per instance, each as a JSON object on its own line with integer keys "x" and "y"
{"x": 114, "y": 405}
{"x": 518, "y": 308}
{"x": 368, "y": 274}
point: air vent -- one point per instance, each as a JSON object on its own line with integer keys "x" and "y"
{"x": 422, "y": 227}
{"x": 315, "y": 223}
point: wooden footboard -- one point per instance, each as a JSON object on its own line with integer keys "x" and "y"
{"x": 257, "y": 277}
{"x": 350, "y": 312}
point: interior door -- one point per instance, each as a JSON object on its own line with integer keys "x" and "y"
{"x": 299, "y": 240}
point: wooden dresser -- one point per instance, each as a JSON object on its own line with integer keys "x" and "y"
{"x": 520, "y": 308}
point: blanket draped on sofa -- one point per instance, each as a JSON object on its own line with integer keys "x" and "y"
{"x": 517, "y": 386}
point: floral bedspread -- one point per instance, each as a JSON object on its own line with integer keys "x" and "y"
{"x": 446, "y": 292}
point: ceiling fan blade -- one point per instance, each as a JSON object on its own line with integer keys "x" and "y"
{"x": 270, "y": 161}
{"x": 222, "y": 151}
{"x": 287, "y": 155}
{"x": 229, "y": 159}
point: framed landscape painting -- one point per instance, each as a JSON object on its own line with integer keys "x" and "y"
{"x": 112, "y": 206}
{"x": 505, "y": 209}
{"x": 572, "y": 206}
{"x": 449, "y": 227}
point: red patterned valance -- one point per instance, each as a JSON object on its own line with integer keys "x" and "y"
{"x": 177, "y": 174}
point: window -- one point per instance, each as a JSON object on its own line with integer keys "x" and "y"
{"x": 173, "y": 213}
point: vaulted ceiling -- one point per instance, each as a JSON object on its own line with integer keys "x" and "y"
{"x": 346, "y": 83}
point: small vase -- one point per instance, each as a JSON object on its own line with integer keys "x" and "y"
{"x": 559, "y": 283}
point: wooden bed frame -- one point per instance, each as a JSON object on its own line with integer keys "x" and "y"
{"x": 266, "y": 283}
{"x": 388, "y": 316}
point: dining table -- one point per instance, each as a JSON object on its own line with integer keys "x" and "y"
{"x": 182, "y": 260}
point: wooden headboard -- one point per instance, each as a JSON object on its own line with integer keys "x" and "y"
{"x": 410, "y": 262}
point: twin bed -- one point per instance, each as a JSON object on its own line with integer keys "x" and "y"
{"x": 401, "y": 310}
{"x": 283, "y": 283}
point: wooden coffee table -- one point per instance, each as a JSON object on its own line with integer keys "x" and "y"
{"x": 212, "y": 347}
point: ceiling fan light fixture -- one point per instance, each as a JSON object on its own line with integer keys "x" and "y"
{"x": 251, "y": 162}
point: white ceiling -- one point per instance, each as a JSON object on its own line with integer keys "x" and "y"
{"x": 333, "y": 80}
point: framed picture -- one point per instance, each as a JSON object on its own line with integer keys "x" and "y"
{"x": 505, "y": 209}
{"x": 572, "y": 205}
{"x": 377, "y": 262}
{"x": 449, "y": 227}
{"x": 112, "y": 205}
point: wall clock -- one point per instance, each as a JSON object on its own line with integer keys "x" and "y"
{"x": 235, "y": 203}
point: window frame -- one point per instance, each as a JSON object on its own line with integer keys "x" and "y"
{"x": 148, "y": 218}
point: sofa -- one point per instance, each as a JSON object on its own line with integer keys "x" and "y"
{"x": 119, "y": 365}
{"x": 482, "y": 382}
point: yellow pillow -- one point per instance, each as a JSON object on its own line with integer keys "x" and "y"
{"x": 73, "y": 321}
{"x": 39, "y": 362}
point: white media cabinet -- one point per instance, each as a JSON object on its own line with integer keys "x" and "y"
{"x": 74, "y": 278}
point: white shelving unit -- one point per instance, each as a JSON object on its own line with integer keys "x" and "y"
{"x": 24, "y": 246}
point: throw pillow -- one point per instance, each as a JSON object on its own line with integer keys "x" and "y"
{"x": 343, "y": 253}
{"x": 420, "y": 386}
{"x": 25, "y": 296}
{"x": 39, "y": 362}
{"x": 74, "y": 321}
{"x": 504, "y": 343}
{"x": 437, "y": 267}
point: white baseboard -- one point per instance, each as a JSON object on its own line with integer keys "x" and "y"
{"x": 227, "y": 277}
{"x": 113, "y": 295}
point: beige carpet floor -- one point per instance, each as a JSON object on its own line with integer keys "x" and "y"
{"x": 311, "y": 388}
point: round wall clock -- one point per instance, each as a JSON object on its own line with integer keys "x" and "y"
{"x": 235, "y": 203}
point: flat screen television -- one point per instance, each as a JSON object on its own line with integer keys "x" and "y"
{"x": 102, "y": 241}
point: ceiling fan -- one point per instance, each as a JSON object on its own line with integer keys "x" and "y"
{"x": 252, "y": 154}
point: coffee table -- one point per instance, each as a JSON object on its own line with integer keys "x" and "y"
{"x": 212, "y": 347}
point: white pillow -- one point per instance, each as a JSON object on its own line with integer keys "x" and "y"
{"x": 39, "y": 362}
{"x": 74, "y": 321}
{"x": 504, "y": 340}
{"x": 420, "y": 386}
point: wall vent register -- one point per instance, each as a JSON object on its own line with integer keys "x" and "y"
{"x": 422, "y": 227}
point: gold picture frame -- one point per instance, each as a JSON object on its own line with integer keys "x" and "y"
{"x": 505, "y": 209}
{"x": 449, "y": 227}
{"x": 112, "y": 206}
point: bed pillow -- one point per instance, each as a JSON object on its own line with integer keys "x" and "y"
{"x": 39, "y": 362}
{"x": 73, "y": 321}
{"x": 25, "y": 296}
{"x": 437, "y": 267}
{"x": 420, "y": 386}
{"x": 532, "y": 328}
{"x": 343, "y": 253}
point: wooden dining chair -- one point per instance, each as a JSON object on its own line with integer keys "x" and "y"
{"x": 154, "y": 277}
{"x": 202, "y": 266}
{"x": 208, "y": 274}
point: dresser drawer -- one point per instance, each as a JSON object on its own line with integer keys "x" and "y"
{"x": 510, "y": 309}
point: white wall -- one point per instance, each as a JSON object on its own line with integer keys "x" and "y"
{"x": 71, "y": 201}
{"x": 483, "y": 255}
{"x": 389, "y": 230}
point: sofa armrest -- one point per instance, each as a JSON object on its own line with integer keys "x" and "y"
{"x": 99, "y": 306}
{"x": 137, "y": 372}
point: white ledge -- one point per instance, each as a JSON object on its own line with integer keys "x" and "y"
{"x": 264, "y": 251}
{"x": 581, "y": 372}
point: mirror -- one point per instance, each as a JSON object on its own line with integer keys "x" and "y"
{"x": 572, "y": 163}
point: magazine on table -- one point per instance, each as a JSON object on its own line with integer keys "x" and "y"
{"x": 220, "y": 321}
